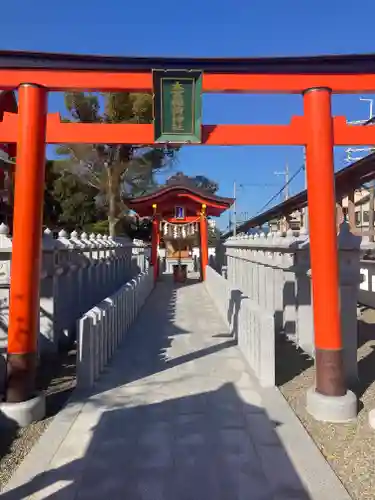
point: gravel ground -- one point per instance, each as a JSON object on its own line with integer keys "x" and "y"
{"x": 349, "y": 448}
{"x": 57, "y": 378}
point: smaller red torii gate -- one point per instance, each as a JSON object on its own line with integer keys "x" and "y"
{"x": 180, "y": 204}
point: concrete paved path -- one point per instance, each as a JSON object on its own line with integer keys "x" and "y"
{"x": 177, "y": 416}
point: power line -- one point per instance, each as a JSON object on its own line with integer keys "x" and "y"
{"x": 235, "y": 222}
{"x": 281, "y": 190}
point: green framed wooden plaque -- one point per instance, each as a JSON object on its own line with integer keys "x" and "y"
{"x": 177, "y": 105}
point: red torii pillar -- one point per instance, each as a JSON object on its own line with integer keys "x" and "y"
{"x": 330, "y": 377}
{"x": 27, "y": 240}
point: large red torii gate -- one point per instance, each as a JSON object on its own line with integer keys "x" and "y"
{"x": 316, "y": 78}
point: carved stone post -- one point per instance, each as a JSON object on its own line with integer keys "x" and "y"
{"x": 5, "y": 259}
{"x": 49, "y": 336}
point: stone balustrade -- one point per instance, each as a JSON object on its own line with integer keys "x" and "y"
{"x": 103, "y": 327}
{"x": 77, "y": 272}
{"x": 250, "y": 325}
{"x": 274, "y": 273}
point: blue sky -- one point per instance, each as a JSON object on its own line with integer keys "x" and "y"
{"x": 237, "y": 28}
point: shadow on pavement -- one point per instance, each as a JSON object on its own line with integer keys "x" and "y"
{"x": 142, "y": 436}
{"x": 206, "y": 446}
{"x": 150, "y": 338}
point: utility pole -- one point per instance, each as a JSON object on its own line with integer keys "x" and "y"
{"x": 234, "y": 210}
{"x": 285, "y": 173}
{"x": 286, "y": 196}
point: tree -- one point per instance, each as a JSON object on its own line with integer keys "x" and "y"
{"x": 114, "y": 170}
{"x": 68, "y": 202}
{"x": 213, "y": 234}
{"x": 52, "y": 207}
{"x": 206, "y": 184}
{"x": 199, "y": 181}
{"x": 77, "y": 201}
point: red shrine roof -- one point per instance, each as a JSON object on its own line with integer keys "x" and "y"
{"x": 170, "y": 196}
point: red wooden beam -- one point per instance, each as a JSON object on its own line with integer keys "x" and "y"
{"x": 78, "y": 133}
{"x": 213, "y": 135}
{"x": 352, "y": 135}
{"x": 62, "y": 80}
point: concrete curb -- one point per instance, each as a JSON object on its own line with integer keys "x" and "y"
{"x": 314, "y": 471}
{"x": 41, "y": 455}
{"x": 319, "y": 478}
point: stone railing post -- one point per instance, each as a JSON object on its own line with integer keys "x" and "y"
{"x": 349, "y": 246}
{"x": 305, "y": 322}
{"x": 229, "y": 260}
{"x": 259, "y": 257}
{"x": 81, "y": 264}
{"x": 64, "y": 285}
{"x": 278, "y": 280}
{"x": 107, "y": 285}
{"x": 112, "y": 249}
{"x": 124, "y": 256}
{"x": 87, "y": 273}
{"x": 5, "y": 264}
{"x": 257, "y": 274}
{"x": 122, "y": 259}
{"x": 111, "y": 275}
{"x": 48, "y": 327}
{"x": 142, "y": 261}
{"x": 269, "y": 274}
{"x": 107, "y": 261}
{"x": 115, "y": 265}
{"x": 95, "y": 276}
{"x": 232, "y": 262}
{"x": 104, "y": 286}
{"x": 135, "y": 267}
{"x": 289, "y": 287}
{"x": 76, "y": 276}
